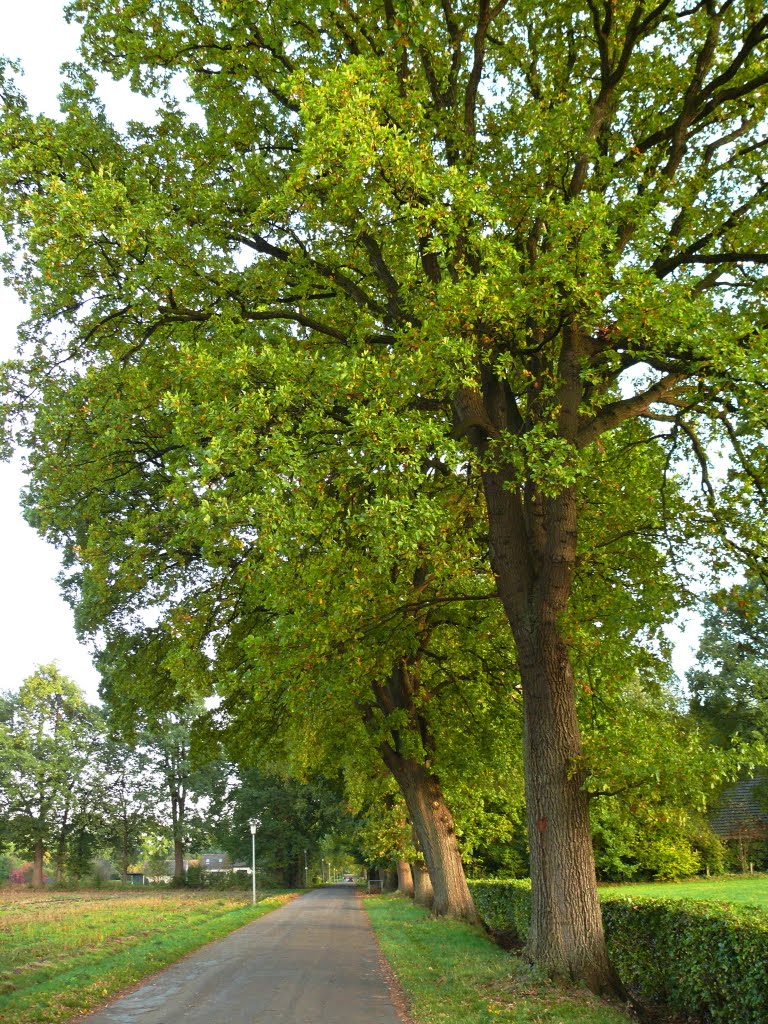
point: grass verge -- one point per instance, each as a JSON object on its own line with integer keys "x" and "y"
{"x": 62, "y": 954}
{"x": 749, "y": 889}
{"x": 452, "y": 973}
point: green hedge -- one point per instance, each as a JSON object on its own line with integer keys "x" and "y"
{"x": 697, "y": 959}
{"x": 504, "y": 905}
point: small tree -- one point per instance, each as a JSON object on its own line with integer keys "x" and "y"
{"x": 47, "y": 762}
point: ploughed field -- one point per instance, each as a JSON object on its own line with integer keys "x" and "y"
{"x": 738, "y": 889}
{"x": 64, "y": 952}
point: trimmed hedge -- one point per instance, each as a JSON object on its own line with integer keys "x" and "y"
{"x": 504, "y": 905}
{"x": 701, "y": 960}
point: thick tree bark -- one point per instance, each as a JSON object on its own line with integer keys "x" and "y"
{"x": 430, "y": 815}
{"x": 61, "y": 847}
{"x": 388, "y": 880}
{"x": 178, "y": 860}
{"x": 125, "y": 855}
{"x": 404, "y": 878}
{"x": 178, "y": 801}
{"x": 37, "y": 865}
{"x": 533, "y": 552}
{"x": 433, "y": 824}
{"x": 566, "y": 923}
{"x": 61, "y": 851}
{"x": 422, "y": 885}
{"x": 532, "y": 533}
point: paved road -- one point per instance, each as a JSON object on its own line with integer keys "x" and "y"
{"x": 313, "y": 961}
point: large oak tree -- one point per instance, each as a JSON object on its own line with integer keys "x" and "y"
{"x": 485, "y": 233}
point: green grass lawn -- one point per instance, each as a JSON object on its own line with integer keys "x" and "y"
{"x": 453, "y": 974}
{"x": 63, "y": 953}
{"x": 751, "y": 889}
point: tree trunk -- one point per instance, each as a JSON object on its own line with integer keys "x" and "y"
{"x": 430, "y": 816}
{"x": 388, "y": 880}
{"x": 61, "y": 847}
{"x": 404, "y": 878}
{"x": 58, "y": 871}
{"x": 178, "y": 861}
{"x": 533, "y": 545}
{"x": 125, "y": 857}
{"x": 37, "y": 866}
{"x": 566, "y": 922}
{"x": 177, "y": 825}
{"x": 422, "y": 885}
{"x": 433, "y": 824}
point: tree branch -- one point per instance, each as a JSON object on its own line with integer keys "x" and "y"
{"x": 616, "y": 413}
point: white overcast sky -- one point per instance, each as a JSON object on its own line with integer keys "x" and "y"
{"x": 35, "y": 623}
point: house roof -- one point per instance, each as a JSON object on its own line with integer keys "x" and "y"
{"x": 743, "y": 811}
{"x": 215, "y": 858}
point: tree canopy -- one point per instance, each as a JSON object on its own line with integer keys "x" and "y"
{"x": 384, "y": 250}
{"x": 48, "y": 753}
{"x": 729, "y": 683}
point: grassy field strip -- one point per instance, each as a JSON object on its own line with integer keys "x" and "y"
{"x": 12, "y": 896}
{"x": 59, "y": 957}
{"x": 749, "y": 889}
{"x": 452, "y": 974}
{"x": 10, "y": 904}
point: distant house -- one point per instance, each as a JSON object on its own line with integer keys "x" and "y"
{"x": 742, "y": 817}
{"x": 215, "y": 862}
{"x": 220, "y": 862}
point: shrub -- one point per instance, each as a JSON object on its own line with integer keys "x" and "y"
{"x": 21, "y": 875}
{"x": 226, "y": 879}
{"x": 697, "y": 959}
{"x": 195, "y": 876}
{"x": 668, "y": 858}
{"x": 712, "y": 850}
{"x": 8, "y": 864}
{"x": 504, "y": 905}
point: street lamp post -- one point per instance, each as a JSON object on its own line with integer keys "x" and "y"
{"x": 254, "y": 825}
{"x": 322, "y": 869}
{"x": 306, "y": 880}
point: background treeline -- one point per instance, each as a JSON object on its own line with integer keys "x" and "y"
{"x": 79, "y": 805}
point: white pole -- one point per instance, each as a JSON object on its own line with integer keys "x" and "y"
{"x": 254, "y": 825}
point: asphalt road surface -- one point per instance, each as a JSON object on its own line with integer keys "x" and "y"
{"x": 313, "y": 961}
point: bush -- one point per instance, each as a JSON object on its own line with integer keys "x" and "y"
{"x": 8, "y": 864}
{"x": 697, "y": 959}
{"x": 226, "y": 879}
{"x": 195, "y": 876}
{"x": 21, "y": 875}
{"x": 668, "y": 858}
{"x": 504, "y": 905}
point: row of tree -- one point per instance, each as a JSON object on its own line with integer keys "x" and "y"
{"x": 360, "y": 390}
{"x": 71, "y": 793}
{"x": 68, "y": 790}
